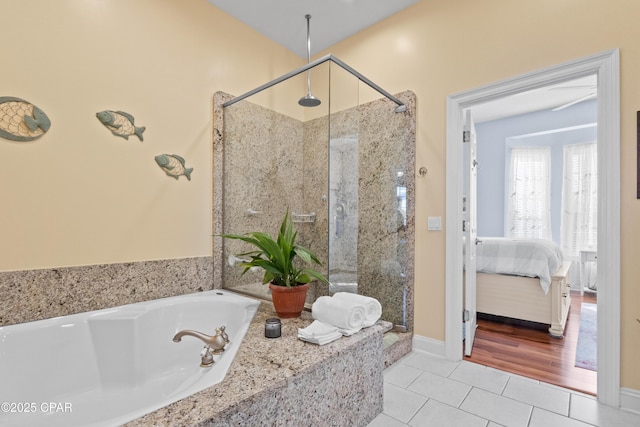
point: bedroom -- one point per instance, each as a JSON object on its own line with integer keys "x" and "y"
{"x": 546, "y": 137}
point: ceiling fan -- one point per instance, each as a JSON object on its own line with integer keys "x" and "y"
{"x": 592, "y": 89}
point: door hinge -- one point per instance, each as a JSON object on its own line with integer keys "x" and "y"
{"x": 466, "y": 136}
{"x": 465, "y": 315}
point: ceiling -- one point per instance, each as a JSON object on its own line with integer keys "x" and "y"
{"x": 283, "y": 21}
{"x": 557, "y": 96}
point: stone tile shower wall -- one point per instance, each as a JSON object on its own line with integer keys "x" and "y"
{"x": 264, "y": 172}
{"x": 384, "y": 146}
{"x": 315, "y": 196}
{"x": 383, "y": 259}
{"x": 343, "y": 207}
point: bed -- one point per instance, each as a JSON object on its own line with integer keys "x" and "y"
{"x": 523, "y": 279}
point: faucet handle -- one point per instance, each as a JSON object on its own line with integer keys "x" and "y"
{"x": 223, "y": 334}
{"x": 207, "y": 357}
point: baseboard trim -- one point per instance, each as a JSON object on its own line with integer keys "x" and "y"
{"x": 428, "y": 345}
{"x": 630, "y": 400}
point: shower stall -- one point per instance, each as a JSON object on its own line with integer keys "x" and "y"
{"x": 342, "y": 165}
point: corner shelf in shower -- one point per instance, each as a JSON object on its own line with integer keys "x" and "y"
{"x": 309, "y": 218}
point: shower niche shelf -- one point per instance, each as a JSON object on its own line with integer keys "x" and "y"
{"x": 309, "y": 217}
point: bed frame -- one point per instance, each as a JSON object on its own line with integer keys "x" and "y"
{"x": 522, "y": 298}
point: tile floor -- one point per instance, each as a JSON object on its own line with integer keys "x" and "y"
{"x": 425, "y": 390}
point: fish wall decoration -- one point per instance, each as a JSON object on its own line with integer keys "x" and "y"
{"x": 120, "y": 123}
{"x": 173, "y": 165}
{"x": 20, "y": 120}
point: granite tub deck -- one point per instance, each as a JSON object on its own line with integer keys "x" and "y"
{"x": 285, "y": 381}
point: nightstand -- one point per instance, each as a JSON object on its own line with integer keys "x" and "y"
{"x": 585, "y": 257}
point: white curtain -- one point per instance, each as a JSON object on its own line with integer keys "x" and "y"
{"x": 529, "y": 213}
{"x": 579, "y": 227}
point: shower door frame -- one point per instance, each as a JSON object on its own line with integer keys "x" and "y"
{"x": 399, "y": 109}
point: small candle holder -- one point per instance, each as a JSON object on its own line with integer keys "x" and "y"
{"x": 272, "y": 328}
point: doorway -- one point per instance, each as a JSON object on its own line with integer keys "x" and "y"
{"x": 606, "y": 67}
{"x": 536, "y": 176}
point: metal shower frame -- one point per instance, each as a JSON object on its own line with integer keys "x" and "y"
{"x": 399, "y": 109}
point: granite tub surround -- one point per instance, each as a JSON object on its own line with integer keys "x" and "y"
{"x": 41, "y": 294}
{"x": 396, "y": 346}
{"x": 284, "y": 382}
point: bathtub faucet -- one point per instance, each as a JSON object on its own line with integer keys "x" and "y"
{"x": 214, "y": 344}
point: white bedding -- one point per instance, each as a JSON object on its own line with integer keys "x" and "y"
{"x": 521, "y": 257}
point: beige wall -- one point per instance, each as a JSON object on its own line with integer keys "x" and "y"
{"x": 82, "y": 196}
{"x": 440, "y": 47}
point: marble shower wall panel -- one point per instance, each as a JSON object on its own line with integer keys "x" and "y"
{"x": 315, "y": 198}
{"x": 386, "y": 235}
{"x": 217, "y": 138}
{"x": 263, "y": 172}
{"x": 344, "y": 199}
{"x": 343, "y": 239}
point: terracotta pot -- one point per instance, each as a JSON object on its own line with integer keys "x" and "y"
{"x": 288, "y": 302}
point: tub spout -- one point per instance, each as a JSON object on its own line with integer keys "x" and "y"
{"x": 215, "y": 342}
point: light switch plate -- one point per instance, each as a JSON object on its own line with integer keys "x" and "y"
{"x": 434, "y": 223}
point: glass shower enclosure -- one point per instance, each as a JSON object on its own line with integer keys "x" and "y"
{"x": 344, "y": 170}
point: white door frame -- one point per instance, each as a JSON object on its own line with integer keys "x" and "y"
{"x": 607, "y": 68}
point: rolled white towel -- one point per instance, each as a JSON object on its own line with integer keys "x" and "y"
{"x": 372, "y": 307}
{"x": 347, "y": 316}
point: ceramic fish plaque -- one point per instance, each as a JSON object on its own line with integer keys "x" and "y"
{"x": 21, "y": 120}
{"x": 120, "y": 123}
{"x": 173, "y": 165}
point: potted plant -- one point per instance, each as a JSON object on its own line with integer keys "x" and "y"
{"x": 282, "y": 261}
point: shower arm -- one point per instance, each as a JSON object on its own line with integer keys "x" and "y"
{"x": 400, "y": 108}
{"x": 308, "y": 55}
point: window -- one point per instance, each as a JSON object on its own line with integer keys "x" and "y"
{"x": 529, "y": 214}
{"x": 579, "y": 199}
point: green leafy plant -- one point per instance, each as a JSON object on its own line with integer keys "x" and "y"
{"x": 278, "y": 257}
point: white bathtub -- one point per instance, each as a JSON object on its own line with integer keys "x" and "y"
{"x": 107, "y": 367}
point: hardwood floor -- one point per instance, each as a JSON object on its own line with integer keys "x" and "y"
{"x": 528, "y": 350}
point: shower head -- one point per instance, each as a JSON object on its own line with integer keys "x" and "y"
{"x": 309, "y": 100}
